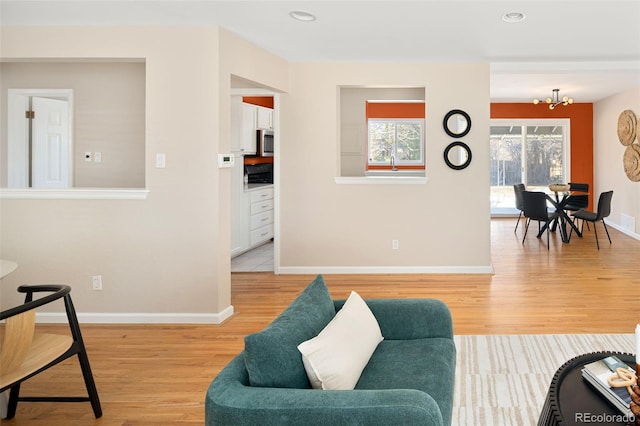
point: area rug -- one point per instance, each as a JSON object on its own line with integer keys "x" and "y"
{"x": 503, "y": 380}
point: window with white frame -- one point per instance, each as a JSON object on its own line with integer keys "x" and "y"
{"x": 535, "y": 152}
{"x": 395, "y": 142}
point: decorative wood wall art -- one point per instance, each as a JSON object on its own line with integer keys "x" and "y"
{"x": 628, "y": 132}
{"x": 627, "y": 124}
{"x": 632, "y": 162}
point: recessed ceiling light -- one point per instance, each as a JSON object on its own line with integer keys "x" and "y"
{"x": 301, "y": 15}
{"x": 513, "y": 17}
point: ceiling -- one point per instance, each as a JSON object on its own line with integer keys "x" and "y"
{"x": 587, "y": 49}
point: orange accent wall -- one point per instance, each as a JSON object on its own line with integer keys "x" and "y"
{"x": 581, "y": 132}
{"x": 395, "y": 110}
{"x": 265, "y": 101}
{"x": 249, "y": 160}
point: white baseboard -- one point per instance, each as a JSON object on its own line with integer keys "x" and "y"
{"x": 138, "y": 318}
{"x": 385, "y": 270}
{"x": 623, "y": 230}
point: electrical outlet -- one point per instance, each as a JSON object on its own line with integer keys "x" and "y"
{"x": 87, "y": 156}
{"x": 97, "y": 157}
{"x": 96, "y": 280}
{"x": 395, "y": 244}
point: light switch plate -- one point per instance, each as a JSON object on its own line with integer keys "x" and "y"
{"x": 226, "y": 160}
{"x": 161, "y": 161}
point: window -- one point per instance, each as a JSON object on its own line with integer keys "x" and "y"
{"x": 533, "y": 152}
{"x": 397, "y": 140}
{"x": 395, "y": 134}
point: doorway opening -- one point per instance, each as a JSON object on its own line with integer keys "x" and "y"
{"x": 254, "y": 203}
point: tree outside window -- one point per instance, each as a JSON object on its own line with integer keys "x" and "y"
{"x": 400, "y": 139}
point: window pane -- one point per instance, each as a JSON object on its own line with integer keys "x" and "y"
{"x": 505, "y": 152}
{"x": 409, "y": 142}
{"x": 402, "y": 139}
{"x": 544, "y": 155}
{"x": 527, "y": 151}
{"x": 381, "y": 141}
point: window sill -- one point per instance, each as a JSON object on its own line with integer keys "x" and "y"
{"x": 381, "y": 180}
{"x": 73, "y": 194}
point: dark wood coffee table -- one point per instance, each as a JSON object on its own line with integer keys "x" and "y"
{"x": 571, "y": 400}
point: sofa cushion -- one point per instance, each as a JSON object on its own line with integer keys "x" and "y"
{"x": 427, "y": 365}
{"x": 336, "y": 357}
{"x": 271, "y": 355}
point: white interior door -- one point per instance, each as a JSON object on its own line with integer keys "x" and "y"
{"x": 50, "y": 149}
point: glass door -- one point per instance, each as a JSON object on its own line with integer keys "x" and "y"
{"x": 533, "y": 152}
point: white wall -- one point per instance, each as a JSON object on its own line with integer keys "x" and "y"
{"x": 156, "y": 256}
{"x": 443, "y": 225}
{"x": 168, "y": 254}
{"x": 108, "y": 102}
{"x": 608, "y": 154}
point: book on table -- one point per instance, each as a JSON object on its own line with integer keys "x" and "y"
{"x": 597, "y": 374}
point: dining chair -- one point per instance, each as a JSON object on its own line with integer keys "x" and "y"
{"x": 577, "y": 202}
{"x": 535, "y": 208}
{"x": 518, "y": 188}
{"x": 26, "y": 352}
{"x": 604, "y": 209}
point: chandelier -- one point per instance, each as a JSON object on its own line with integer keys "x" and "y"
{"x": 555, "y": 100}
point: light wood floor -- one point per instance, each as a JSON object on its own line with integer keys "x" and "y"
{"x": 158, "y": 375}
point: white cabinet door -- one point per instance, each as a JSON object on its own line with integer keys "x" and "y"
{"x": 239, "y": 209}
{"x": 248, "y": 141}
{"x": 265, "y": 118}
{"x": 261, "y": 235}
{"x": 243, "y": 126}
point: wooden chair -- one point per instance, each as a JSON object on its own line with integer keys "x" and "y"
{"x": 535, "y": 208}
{"x": 25, "y": 353}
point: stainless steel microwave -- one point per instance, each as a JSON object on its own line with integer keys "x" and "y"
{"x": 265, "y": 143}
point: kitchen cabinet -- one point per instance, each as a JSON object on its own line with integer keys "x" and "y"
{"x": 243, "y": 126}
{"x": 252, "y": 217}
{"x": 264, "y": 118}
{"x": 260, "y": 216}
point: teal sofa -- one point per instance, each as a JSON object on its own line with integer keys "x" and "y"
{"x": 409, "y": 379}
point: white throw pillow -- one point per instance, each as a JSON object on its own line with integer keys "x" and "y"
{"x": 335, "y": 358}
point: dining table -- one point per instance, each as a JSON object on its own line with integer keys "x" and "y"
{"x": 559, "y": 198}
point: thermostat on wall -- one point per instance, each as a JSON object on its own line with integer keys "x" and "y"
{"x": 225, "y": 160}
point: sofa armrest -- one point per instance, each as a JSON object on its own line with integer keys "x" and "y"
{"x": 231, "y": 401}
{"x": 406, "y": 319}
